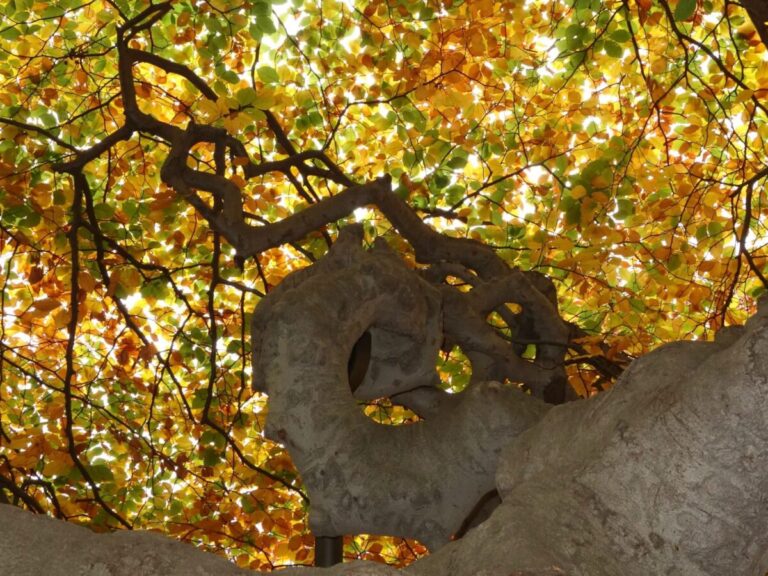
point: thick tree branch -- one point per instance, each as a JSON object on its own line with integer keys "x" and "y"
{"x": 758, "y": 13}
{"x": 83, "y": 157}
{"x": 172, "y": 67}
{"x": 19, "y": 495}
{"x": 32, "y": 128}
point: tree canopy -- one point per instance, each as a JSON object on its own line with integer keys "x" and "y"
{"x": 163, "y": 165}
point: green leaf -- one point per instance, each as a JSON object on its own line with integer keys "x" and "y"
{"x": 104, "y": 210}
{"x": 10, "y": 34}
{"x": 198, "y": 398}
{"x": 413, "y": 116}
{"x": 248, "y": 503}
{"x": 261, "y": 8}
{"x": 213, "y": 438}
{"x": 21, "y": 215}
{"x": 714, "y": 229}
{"x": 455, "y": 193}
{"x": 757, "y": 292}
{"x": 621, "y": 36}
{"x": 626, "y": 208}
{"x": 211, "y": 457}
{"x": 684, "y": 10}
{"x": 131, "y": 208}
{"x": 498, "y": 194}
{"x": 268, "y": 75}
{"x": 176, "y": 507}
{"x": 441, "y": 180}
{"x": 265, "y": 25}
{"x": 515, "y": 231}
{"x": 314, "y": 118}
{"x": 155, "y": 289}
{"x": 245, "y": 96}
{"x": 592, "y": 322}
{"x": 101, "y": 473}
{"x": 53, "y": 12}
{"x": 612, "y": 49}
{"x": 572, "y": 212}
{"x": 255, "y": 32}
{"x": 458, "y": 160}
{"x": 229, "y": 76}
{"x": 674, "y": 262}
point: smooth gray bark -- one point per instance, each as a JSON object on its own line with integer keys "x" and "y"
{"x": 419, "y": 480}
{"x": 666, "y": 474}
{"x": 36, "y": 545}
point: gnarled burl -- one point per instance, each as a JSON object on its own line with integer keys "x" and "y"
{"x": 418, "y": 480}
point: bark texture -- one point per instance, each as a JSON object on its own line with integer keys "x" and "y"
{"x": 419, "y": 480}
{"x": 758, "y": 13}
{"x": 36, "y": 545}
{"x": 663, "y": 475}
{"x": 659, "y": 476}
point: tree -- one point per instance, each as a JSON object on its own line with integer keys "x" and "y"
{"x": 164, "y": 166}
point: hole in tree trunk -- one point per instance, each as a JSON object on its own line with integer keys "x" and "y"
{"x": 358, "y": 362}
{"x": 454, "y": 369}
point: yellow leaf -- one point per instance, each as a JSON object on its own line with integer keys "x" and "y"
{"x": 412, "y": 39}
{"x": 86, "y": 281}
{"x": 57, "y": 463}
{"x": 266, "y": 99}
{"x": 208, "y": 110}
{"x": 561, "y": 243}
{"x": 762, "y": 75}
{"x": 578, "y": 191}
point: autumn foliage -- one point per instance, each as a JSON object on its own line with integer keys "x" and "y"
{"x": 616, "y": 146}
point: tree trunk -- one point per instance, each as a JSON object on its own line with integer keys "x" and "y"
{"x": 663, "y": 474}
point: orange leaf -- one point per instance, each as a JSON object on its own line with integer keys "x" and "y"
{"x": 237, "y": 180}
{"x": 46, "y": 304}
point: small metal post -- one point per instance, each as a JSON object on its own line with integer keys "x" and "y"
{"x": 329, "y": 550}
